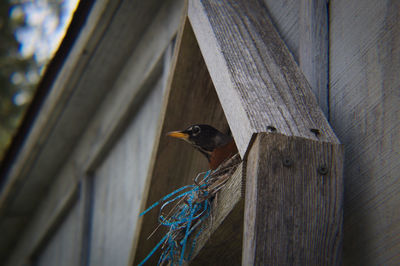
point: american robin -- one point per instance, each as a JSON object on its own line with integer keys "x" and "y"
{"x": 216, "y": 146}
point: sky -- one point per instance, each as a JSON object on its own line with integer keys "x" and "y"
{"x": 47, "y": 30}
{"x": 40, "y": 39}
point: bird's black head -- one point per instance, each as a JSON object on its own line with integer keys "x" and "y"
{"x": 205, "y": 138}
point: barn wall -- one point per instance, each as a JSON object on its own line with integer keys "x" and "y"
{"x": 364, "y": 100}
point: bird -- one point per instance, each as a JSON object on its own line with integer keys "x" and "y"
{"x": 216, "y": 146}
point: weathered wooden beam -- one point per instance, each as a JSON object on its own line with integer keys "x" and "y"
{"x": 293, "y": 209}
{"x": 314, "y": 47}
{"x": 259, "y": 84}
{"x": 293, "y": 203}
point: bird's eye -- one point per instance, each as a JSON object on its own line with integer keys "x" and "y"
{"x": 195, "y": 130}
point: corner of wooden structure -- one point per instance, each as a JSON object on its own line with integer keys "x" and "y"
{"x": 294, "y": 180}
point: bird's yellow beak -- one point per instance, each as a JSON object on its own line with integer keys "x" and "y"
{"x": 178, "y": 134}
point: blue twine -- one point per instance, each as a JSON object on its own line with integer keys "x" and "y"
{"x": 164, "y": 198}
{"x": 184, "y": 218}
{"x": 153, "y": 250}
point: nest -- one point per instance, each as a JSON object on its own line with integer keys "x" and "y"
{"x": 189, "y": 207}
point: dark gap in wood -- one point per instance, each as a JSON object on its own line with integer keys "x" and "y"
{"x": 316, "y": 131}
{"x": 271, "y": 129}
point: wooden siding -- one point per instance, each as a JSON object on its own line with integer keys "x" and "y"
{"x": 125, "y": 99}
{"x": 63, "y": 249}
{"x": 365, "y": 100}
{"x": 118, "y": 186}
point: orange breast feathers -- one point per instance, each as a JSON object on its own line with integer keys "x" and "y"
{"x": 221, "y": 154}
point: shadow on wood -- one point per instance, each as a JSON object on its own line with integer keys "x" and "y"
{"x": 191, "y": 99}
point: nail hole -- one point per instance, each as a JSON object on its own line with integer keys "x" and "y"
{"x": 323, "y": 170}
{"x": 315, "y": 131}
{"x": 287, "y": 162}
{"x": 271, "y": 129}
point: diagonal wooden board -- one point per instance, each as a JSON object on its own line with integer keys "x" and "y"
{"x": 258, "y": 82}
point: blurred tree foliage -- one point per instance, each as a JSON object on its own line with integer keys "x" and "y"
{"x": 20, "y": 70}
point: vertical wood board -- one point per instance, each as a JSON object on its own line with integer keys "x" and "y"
{"x": 365, "y": 114}
{"x": 63, "y": 247}
{"x": 293, "y": 206}
{"x": 314, "y": 47}
{"x": 119, "y": 184}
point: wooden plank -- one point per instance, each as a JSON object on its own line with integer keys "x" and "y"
{"x": 62, "y": 249}
{"x": 313, "y": 48}
{"x": 220, "y": 243}
{"x": 293, "y": 205}
{"x": 190, "y": 98}
{"x": 365, "y": 96}
{"x": 52, "y": 210}
{"x": 118, "y": 186}
{"x": 257, "y": 80}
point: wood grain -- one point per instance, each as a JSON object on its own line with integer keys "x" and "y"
{"x": 286, "y": 18}
{"x": 293, "y": 209}
{"x": 365, "y": 114}
{"x": 118, "y": 186}
{"x": 314, "y": 48}
{"x": 257, "y": 80}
